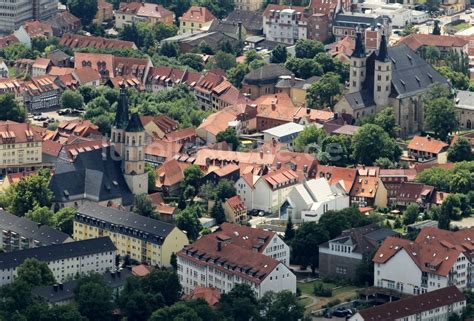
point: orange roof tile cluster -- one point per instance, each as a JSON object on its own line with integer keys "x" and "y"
{"x": 164, "y": 75}
{"x": 218, "y": 251}
{"x": 170, "y": 173}
{"x": 345, "y": 176}
{"x": 181, "y": 135}
{"x": 8, "y": 40}
{"x": 434, "y": 250}
{"x": 303, "y": 164}
{"x": 141, "y": 270}
{"x": 313, "y": 115}
{"x": 79, "y": 41}
{"x": 281, "y": 178}
{"x": 86, "y": 75}
{"x": 144, "y": 10}
{"x": 13, "y": 132}
{"x": 60, "y": 71}
{"x": 409, "y": 173}
{"x": 366, "y": 182}
{"x": 42, "y": 63}
{"x": 206, "y": 157}
{"x": 415, "y": 41}
{"x": 161, "y": 207}
{"x": 74, "y": 149}
{"x": 226, "y": 170}
{"x": 343, "y": 48}
{"x": 165, "y": 123}
{"x": 198, "y": 15}
{"x": 427, "y": 144}
{"x": 414, "y": 193}
{"x": 210, "y": 295}
{"x": 277, "y": 7}
{"x": 38, "y": 29}
{"x": 79, "y": 127}
{"x": 163, "y": 148}
{"x": 217, "y": 122}
{"x": 236, "y": 204}
{"x": 16, "y": 177}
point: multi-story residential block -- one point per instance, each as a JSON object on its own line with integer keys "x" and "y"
{"x": 19, "y": 233}
{"x": 436, "y": 259}
{"x": 16, "y": 12}
{"x": 133, "y": 12}
{"x": 285, "y": 24}
{"x": 437, "y": 305}
{"x": 21, "y": 147}
{"x": 339, "y": 257}
{"x": 196, "y": 19}
{"x": 426, "y": 149}
{"x": 368, "y": 189}
{"x": 41, "y": 92}
{"x": 141, "y": 238}
{"x": 309, "y": 200}
{"x": 233, "y": 255}
{"x": 158, "y": 126}
{"x": 65, "y": 260}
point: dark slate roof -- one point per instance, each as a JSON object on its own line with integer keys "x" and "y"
{"x": 121, "y": 115}
{"x": 359, "y": 50}
{"x": 46, "y": 235}
{"x": 57, "y": 56}
{"x": 54, "y": 294}
{"x": 57, "y": 251}
{"x": 94, "y": 175}
{"x": 114, "y": 218}
{"x": 251, "y": 20}
{"x": 357, "y": 19}
{"x": 135, "y": 124}
{"x": 270, "y": 72}
{"x": 410, "y": 73}
{"x": 360, "y": 99}
{"x": 382, "y": 54}
{"x": 228, "y": 27}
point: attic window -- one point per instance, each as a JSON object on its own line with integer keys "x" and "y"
{"x": 66, "y": 192}
{"x": 403, "y": 83}
{"x": 430, "y": 76}
{"x": 115, "y": 183}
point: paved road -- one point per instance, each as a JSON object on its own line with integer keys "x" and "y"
{"x": 52, "y": 115}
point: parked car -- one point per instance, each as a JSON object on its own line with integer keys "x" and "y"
{"x": 342, "y": 313}
{"x": 468, "y": 11}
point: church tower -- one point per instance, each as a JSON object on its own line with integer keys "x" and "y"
{"x": 128, "y": 138}
{"x": 120, "y": 122}
{"x": 358, "y": 65}
{"x": 382, "y": 76}
{"x": 134, "y": 160}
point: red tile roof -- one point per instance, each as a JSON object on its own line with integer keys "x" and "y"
{"x": 427, "y": 144}
{"x": 210, "y": 295}
{"x": 170, "y": 173}
{"x": 414, "y": 305}
{"x": 236, "y": 204}
{"x": 217, "y": 122}
{"x": 141, "y": 270}
{"x": 12, "y": 132}
{"x": 144, "y": 9}
{"x": 334, "y": 174}
{"x": 182, "y": 134}
{"x": 165, "y": 123}
{"x": 414, "y": 193}
{"x": 79, "y": 41}
{"x": 37, "y": 28}
{"x": 415, "y": 41}
{"x": 281, "y": 178}
{"x": 276, "y": 7}
{"x": 198, "y": 15}
{"x": 163, "y": 148}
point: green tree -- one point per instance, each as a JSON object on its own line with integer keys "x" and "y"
{"x": 310, "y": 138}
{"x": 409, "y": 29}
{"x": 239, "y": 304}
{"x": 197, "y": 310}
{"x": 236, "y": 74}
{"x": 84, "y": 9}
{"x": 187, "y": 220}
{"x": 282, "y": 306}
{"x": 230, "y": 137}
{"x": 28, "y": 193}
{"x": 192, "y": 60}
{"x": 104, "y": 122}
{"x": 225, "y": 189}
{"x": 364, "y": 274}
{"x": 224, "y": 60}
{"x": 305, "y": 48}
{"x": 411, "y": 214}
{"x": 305, "y": 244}
{"x": 41, "y": 215}
{"x": 217, "y": 212}
{"x": 372, "y": 142}
{"x": 322, "y": 92}
{"x": 64, "y": 219}
{"x": 205, "y": 48}
{"x": 71, "y": 99}
{"x": 94, "y": 301}
{"x": 279, "y": 54}
{"x": 444, "y": 219}
{"x": 174, "y": 261}
{"x": 304, "y": 67}
{"x": 387, "y": 121}
{"x": 339, "y": 150}
{"x": 10, "y": 108}
{"x": 35, "y": 273}
{"x": 289, "y": 230}
{"x": 169, "y": 49}
{"x": 150, "y": 169}
{"x": 192, "y": 177}
{"x": 17, "y": 51}
{"x": 441, "y": 117}
{"x": 220, "y": 8}
{"x": 460, "y": 150}
{"x": 143, "y": 205}
{"x": 385, "y": 163}
{"x": 458, "y": 79}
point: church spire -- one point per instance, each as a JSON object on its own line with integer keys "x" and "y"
{"x": 383, "y": 51}
{"x": 121, "y": 116}
{"x": 359, "y": 50}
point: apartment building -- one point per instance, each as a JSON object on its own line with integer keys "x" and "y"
{"x": 133, "y": 12}
{"x": 436, "y": 259}
{"x": 19, "y": 233}
{"x": 285, "y": 24}
{"x": 20, "y": 147}
{"x": 15, "y": 12}
{"x": 196, "y": 19}
{"x": 142, "y": 238}
{"x": 221, "y": 260}
{"x": 436, "y": 305}
{"x": 65, "y": 260}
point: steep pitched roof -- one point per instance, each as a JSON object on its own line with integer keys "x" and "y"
{"x": 417, "y": 40}
{"x": 427, "y": 144}
{"x": 343, "y": 175}
{"x": 198, "y": 15}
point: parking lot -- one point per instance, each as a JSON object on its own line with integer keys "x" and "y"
{"x": 52, "y": 115}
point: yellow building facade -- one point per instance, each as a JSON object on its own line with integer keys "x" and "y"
{"x": 140, "y": 244}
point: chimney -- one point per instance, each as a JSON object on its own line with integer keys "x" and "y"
{"x": 292, "y": 79}
{"x": 219, "y": 246}
{"x": 428, "y": 137}
{"x": 305, "y": 168}
{"x": 55, "y": 287}
{"x": 162, "y": 178}
{"x": 278, "y": 165}
{"x": 61, "y": 286}
{"x": 261, "y": 153}
{"x": 274, "y": 105}
{"x": 308, "y": 110}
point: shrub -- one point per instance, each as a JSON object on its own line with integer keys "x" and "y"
{"x": 320, "y": 290}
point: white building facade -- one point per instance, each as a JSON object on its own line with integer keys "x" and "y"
{"x": 285, "y": 26}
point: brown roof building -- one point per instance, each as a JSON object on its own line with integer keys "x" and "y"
{"x": 426, "y": 148}
{"x": 195, "y": 19}
{"x": 79, "y": 41}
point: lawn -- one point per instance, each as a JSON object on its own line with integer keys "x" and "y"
{"x": 461, "y": 26}
{"x": 342, "y": 293}
{"x": 304, "y": 301}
